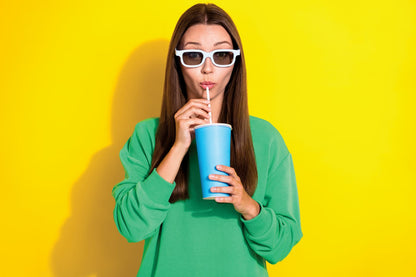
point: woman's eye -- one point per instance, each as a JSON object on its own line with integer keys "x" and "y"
{"x": 193, "y": 55}
{"x": 223, "y": 57}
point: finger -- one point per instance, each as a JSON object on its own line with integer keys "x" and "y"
{"x": 224, "y": 199}
{"x": 194, "y": 112}
{"x": 191, "y": 113}
{"x": 201, "y": 104}
{"x": 229, "y": 190}
{"x": 225, "y": 179}
{"x": 228, "y": 170}
{"x": 191, "y": 123}
{"x": 198, "y": 103}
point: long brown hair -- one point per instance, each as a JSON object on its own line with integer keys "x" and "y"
{"x": 234, "y": 107}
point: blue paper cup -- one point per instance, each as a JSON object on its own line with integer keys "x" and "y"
{"x": 213, "y": 143}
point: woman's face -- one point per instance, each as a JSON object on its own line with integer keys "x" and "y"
{"x": 197, "y": 79}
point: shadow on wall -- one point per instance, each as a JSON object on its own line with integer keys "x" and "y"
{"x": 90, "y": 243}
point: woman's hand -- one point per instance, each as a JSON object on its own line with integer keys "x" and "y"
{"x": 243, "y": 203}
{"x": 193, "y": 113}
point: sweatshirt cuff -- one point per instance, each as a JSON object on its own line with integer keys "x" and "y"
{"x": 157, "y": 188}
{"x": 259, "y": 225}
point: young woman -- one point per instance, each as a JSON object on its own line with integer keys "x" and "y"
{"x": 160, "y": 199}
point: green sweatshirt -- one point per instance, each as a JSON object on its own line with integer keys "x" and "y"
{"x": 196, "y": 237}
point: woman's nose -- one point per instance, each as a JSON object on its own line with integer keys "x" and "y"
{"x": 207, "y": 67}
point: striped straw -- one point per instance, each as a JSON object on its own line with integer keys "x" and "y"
{"x": 209, "y": 105}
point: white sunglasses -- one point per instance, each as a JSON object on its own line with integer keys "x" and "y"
{"x": 219, "y": 57}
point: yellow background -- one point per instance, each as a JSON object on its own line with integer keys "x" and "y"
{"x": 337, "y": 78}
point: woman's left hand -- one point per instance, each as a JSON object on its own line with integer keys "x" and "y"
{"x": 243, "y": 203}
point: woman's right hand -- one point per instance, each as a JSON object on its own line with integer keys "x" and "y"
{"x": 195, "y": 112}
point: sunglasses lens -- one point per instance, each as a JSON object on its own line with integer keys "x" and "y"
{"x": 220, "y": 58}
{"x": 192, "y": 58}
{"x": 223, "y": 57}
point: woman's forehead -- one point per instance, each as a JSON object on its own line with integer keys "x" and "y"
{"x": 203, "y": 35}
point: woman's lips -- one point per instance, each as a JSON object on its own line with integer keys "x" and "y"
{"x": 206, "y": 85}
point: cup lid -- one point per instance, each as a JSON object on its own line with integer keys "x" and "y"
{"x": 216, "y": 124}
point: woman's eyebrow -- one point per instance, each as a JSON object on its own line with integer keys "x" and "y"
{"x": 191, "y": 42}
{"x": 221, "y": 42}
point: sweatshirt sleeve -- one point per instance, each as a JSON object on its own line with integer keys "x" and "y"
{"x": 276, "y": 229}
{"x": 142, "y": 199}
